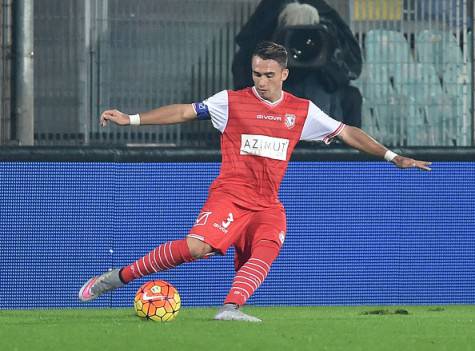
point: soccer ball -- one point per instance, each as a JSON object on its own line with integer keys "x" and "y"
{"x": 157, "y": 300}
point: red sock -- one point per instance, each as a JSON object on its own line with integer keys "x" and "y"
{"x": 252, "y": 273}
{"x": 163, "y": 257}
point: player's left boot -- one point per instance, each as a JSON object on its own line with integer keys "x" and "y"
{"x": 96, "y": 286}
{"x": 231, "y": 312}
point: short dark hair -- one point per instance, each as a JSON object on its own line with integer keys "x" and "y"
{"x": 268, "y": 50}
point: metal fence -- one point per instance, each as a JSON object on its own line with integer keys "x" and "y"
{"x": 5, "y": 70}
{"x": 94, "y": 54}
{"x": 133, "y": 56}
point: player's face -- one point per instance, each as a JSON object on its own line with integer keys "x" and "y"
{"x": 268, "y": 77}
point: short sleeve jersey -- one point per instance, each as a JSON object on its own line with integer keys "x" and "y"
{"x": 258, "y": 138}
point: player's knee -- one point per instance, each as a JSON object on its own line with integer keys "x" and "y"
{"x": 198, "y": 248}
{"x": 267, "y": 250}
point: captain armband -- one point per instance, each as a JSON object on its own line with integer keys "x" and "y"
{"x": 201, "y": 110}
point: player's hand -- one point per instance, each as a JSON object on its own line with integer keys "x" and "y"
{"x": 116, "y": 117}
{"x": 406, "y": 162}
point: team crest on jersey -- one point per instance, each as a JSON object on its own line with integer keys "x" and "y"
{"x": 289, "y": 120}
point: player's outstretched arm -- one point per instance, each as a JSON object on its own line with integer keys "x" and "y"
{"x": 358, "y": 139}
{"x": 171, "y": 114}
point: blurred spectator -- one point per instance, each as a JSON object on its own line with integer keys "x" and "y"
{"x": 324, "y": 56}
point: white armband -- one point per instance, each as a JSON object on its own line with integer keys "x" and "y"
{"x": 134, "y": 120}
{"x": 389, "y": 155}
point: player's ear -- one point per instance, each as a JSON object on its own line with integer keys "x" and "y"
{"x": 285, "y": 73}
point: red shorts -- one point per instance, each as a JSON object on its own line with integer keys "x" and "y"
{"x": 221, "y": 224}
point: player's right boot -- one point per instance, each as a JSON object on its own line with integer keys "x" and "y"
{"x": 96, "y": 286}
{"x": 231, "y": 312}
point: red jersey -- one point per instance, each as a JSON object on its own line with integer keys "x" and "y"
{"x": 257, "y": 141}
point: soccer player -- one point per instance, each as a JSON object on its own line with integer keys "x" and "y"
{"x": 260, "y": 126}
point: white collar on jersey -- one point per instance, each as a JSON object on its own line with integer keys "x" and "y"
{"x": 267, "y": 101}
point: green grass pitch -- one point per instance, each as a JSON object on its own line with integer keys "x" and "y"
{"x": 363, "y": 328}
